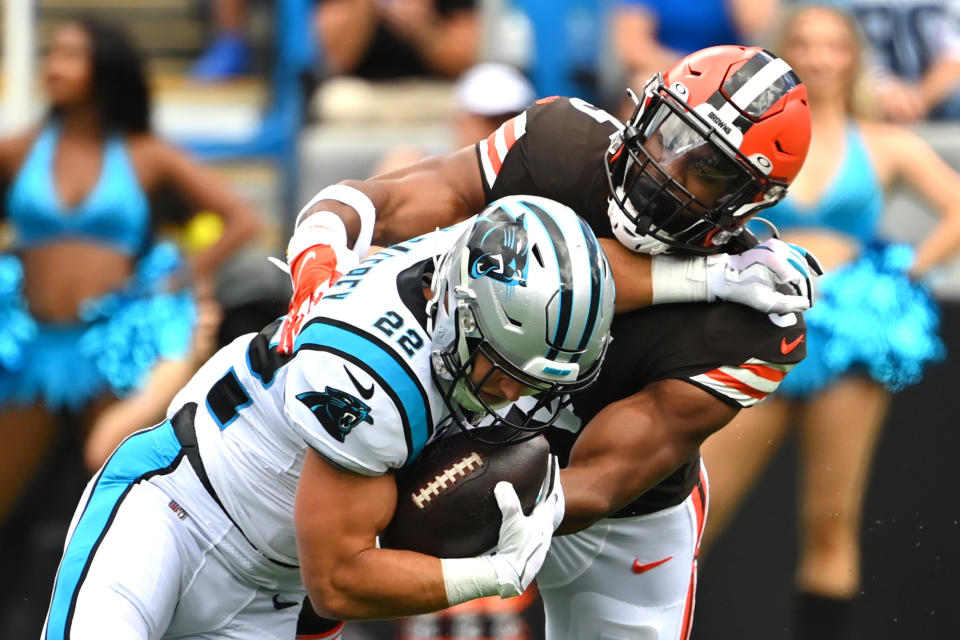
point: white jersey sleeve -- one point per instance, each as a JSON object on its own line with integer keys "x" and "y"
{"x": 353, "y": 400}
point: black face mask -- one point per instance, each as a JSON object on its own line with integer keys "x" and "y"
{"x": 685, "y": 184}
{"x": 661, "y": 207}
{"x": 653, "y": 202}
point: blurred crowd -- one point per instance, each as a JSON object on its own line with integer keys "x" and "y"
{"x": 143, "y": 229}
{"x": 912, "y": 46}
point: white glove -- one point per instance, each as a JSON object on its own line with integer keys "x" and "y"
{"x": 521, "y": 548}
{"x": 524, "y": 540}
{"x": 772, "y": 277}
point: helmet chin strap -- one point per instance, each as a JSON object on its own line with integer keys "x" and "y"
{"x": 625, "y": 231}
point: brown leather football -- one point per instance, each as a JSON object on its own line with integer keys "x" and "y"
{"x": 445, "y": 502}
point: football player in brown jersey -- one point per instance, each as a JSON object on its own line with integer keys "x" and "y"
{"x": 715, "y": 140}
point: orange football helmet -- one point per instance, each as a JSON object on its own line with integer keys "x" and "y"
{"x": 716, "y": 139}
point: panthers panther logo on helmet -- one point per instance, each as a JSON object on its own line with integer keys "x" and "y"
{"x": 499, "y": 247}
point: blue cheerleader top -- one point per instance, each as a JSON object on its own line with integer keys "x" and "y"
{"x": 852, "y": 204}
{"x": 115, "y": 212}
{"x": 869, "y": 317}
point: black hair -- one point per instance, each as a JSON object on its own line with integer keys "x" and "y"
{"x": 118, "y": 81}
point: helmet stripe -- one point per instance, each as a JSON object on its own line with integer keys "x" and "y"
{"x": 753, "y": 89}
{"x": 769, "y": 84}
{"x": 565, "y": 310}
{"x": 750, "y": 69}
{"x": 781, "y": 80}
{"x": 596, "y": 289}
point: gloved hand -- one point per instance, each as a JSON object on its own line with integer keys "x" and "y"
{"x": 524, "y": 540}
{"x": 773, "y": 277}
{"x": 313, "y": 272}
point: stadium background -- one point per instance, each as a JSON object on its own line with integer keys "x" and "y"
{"x": 257, "y": 132}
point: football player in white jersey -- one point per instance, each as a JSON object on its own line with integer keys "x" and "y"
{"x": 272, "y": 475}
{"x": 712, "y": 142}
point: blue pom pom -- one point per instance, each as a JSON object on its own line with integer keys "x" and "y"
{"x": 17, "y": 326}
{"x": 869, "y": 317}
{"x": 134, "y": 327}
{"x": 161, "y": 262}
{"x": 11, "y": 277}
{"x": 126, "y": 332}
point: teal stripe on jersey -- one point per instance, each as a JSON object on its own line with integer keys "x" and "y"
{"x": 381, "y": 362}
{"x": 141, "y": 455}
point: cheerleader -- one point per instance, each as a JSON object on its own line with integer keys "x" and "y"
{"x": 871, "y": 331}
{"x": 88, "y": 300}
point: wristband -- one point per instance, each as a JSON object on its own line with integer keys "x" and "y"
{"x": 678, "y": 279}
{"x": 468, "y": 578}
{"x": 360, "y": 203}
{"x": 323, "y": 227}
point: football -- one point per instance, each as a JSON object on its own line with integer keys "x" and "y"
{"x": 445, "y": 502}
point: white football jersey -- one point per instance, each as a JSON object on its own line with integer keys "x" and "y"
{"x": 358, "y": 389}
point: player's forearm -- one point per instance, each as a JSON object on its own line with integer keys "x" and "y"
{"x": 586, "y": 502}
{"x": 609, "y": 465}
{"x": 362, "y": 207}
{"x": 379, "y": 583}
{"x": 435, "y": 192}
{"x": 596, "y": 491}
{"x": 632, "y": 273}
{"x": 631, "y": 446}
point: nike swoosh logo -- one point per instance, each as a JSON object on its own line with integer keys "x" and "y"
{"x": 787, "y": 347}
{"x": 280, "y": 604}
{"x": 366, "y": 394}
{"x": 643, "y": 568}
